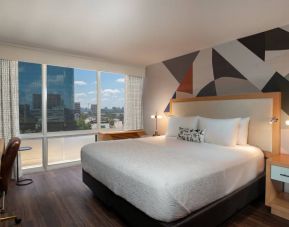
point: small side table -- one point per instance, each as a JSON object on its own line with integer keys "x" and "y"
{"x": 277, "y": 174}
{"x": 22, "y": 182}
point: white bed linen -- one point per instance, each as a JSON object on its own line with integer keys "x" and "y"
{"x": 168, "y": 178}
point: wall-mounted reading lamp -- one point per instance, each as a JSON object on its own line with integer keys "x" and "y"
{"x": 274, "y": 120}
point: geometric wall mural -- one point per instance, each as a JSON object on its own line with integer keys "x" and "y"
{"x": 257, "y": 63}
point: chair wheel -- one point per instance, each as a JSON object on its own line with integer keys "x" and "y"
{"x": 17, "y": 221}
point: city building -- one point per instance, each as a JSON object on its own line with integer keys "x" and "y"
{"x": 77, "y": 108}
{"x": 60, "y": 98}
{"x": 93, "y": 108}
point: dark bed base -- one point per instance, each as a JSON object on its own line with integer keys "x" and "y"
{"x": 211, "y": 215}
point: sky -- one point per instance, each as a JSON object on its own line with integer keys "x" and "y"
{"x": 112, "y": 88}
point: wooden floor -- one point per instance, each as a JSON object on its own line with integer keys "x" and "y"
{"x": 59, "y": 198}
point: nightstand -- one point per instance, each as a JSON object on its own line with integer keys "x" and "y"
{"x": 277, "y": 174}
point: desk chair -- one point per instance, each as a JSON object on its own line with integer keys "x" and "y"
{"x": 7, "y": 161}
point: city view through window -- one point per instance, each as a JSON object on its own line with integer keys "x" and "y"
{"x": 30, "y": 101}
{"x": 76, "y": 99}
{"x": 71, "y": 99}
{"x": 112, "y": 100}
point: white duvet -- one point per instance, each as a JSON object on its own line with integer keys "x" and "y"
{"x": 168, "y": 178}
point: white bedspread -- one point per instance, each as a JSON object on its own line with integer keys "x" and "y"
{"x": 167, "y": 178}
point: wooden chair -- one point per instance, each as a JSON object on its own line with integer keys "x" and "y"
{"x": 7, "y": 161}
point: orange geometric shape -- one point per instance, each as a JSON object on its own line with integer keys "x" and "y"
{"x": 186, "y": 84}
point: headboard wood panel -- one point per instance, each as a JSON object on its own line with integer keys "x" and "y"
{"x": 260, "y": 107}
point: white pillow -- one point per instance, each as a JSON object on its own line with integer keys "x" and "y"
{"x": 220, "y": 131}
{"x": 175, "y": 122}
{"x": 243, "y": 131}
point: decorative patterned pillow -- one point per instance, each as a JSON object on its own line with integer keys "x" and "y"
{"x": 192, "y": 135}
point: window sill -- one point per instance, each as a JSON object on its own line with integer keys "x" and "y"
{"x": 57, "y": 134}
{"x": 69, "y": 133}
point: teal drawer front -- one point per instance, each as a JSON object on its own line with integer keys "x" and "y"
{"x": 280, "y": 173}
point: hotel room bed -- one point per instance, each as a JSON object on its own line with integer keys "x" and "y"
{"x": 163, "y": 181}
{"x": 168, "y": 179}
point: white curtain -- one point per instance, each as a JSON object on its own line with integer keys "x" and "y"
{"x": 9, "y": 115}
{"x": 133, "y": 113}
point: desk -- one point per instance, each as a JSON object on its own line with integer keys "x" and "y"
{"x": 22, "y": 182}
{"x": 119, "y": 135}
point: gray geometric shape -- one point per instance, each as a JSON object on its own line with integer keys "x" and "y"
{"x": 208, "y": 90}
{"x": 278, "y": 59}
{"x": 277, "y": 39}
{"x": 202, "y": 70}
{"x": 279, "y": 83}
{"x": 179, "y": 66}
{"x": 223, "y": 68}
{"x": 234, "y": 86}
{"x": 246, "y": 62}
{"x": 255, "y": 43}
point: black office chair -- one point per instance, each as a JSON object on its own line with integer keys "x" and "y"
{"x": 7, "y": 161}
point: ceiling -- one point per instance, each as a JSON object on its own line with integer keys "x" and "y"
{"x": 138, "y": 32}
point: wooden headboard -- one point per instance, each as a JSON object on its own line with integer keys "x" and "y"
{"x": 260, "y": 107}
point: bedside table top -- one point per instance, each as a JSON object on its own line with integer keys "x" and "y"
{"x": 280, "y": 160}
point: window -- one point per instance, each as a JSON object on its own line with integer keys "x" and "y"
{"x": 85, "y": 99}
{"x": 112, "y": 100}
{"x": 60, "y": 99}
{"x": 71, "y": 99}
{"x": 30, "y": 97}
{"x": 70, "y": 114}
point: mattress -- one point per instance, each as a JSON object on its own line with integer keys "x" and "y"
{"x": 167, "y": 178}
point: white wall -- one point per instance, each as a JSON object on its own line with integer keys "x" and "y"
{"x": 44, "y": 56}
{"x": 159, "y": 86}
